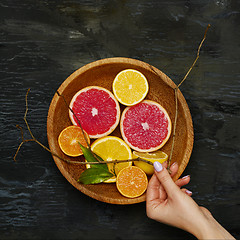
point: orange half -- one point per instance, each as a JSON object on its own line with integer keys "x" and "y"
{"x": 132, "y": 182}
{"x": 69, "y": 140}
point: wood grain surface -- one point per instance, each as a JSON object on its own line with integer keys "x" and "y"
{"x": 43, "y": 42}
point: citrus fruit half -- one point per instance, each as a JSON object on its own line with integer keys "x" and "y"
{"x": 69, "y": 140}
{"x": 145, "y": 127}
{"x": 132, "y": 182}
{"x": 112, "y": 148}
{"x": 152, "y": 157}
{"x": 130, "y": 87}
{"x": 96, "y": 109}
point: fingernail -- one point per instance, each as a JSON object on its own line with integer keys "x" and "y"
{"x": 174, "y": 163}
{"x": 188, "y": 192}
{"x": 158, "y": 166}
{"x": 186, "y": 176}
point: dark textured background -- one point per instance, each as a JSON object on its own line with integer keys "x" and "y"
{"x": 42, "y": 42}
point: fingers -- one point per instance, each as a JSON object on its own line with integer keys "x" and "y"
{"x": 173, "y": 168}
{"x": 157, "y": 191}
{"x": 165, "y": 179}
{"x": 183, "y": 181}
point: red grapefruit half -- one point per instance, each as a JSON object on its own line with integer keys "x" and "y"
{"x": 97, "y": 110}
{"x": 145, "y": 127}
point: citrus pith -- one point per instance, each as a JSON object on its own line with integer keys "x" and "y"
{"x": 112, "y": 148}
{"x": 145, "y": 127}
{"x": 130, "y": 87}
{"x": 96, "y": 109}
{"x": 132, "y": 182}
{"x": 152, "y": 157}
{"x": 69, "y": 140}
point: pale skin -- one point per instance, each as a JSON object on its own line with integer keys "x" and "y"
{"x": 169, "y": 203}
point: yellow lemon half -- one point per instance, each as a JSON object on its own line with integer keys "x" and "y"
{"x": 153, "y": 157}
{"x": 112, "y": 148}
{"x": 130, "y": 87}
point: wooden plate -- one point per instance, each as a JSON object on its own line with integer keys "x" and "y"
{"x": 101, "y": 73}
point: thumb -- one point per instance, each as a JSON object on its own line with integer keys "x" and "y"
{"x": 165, "y": 178}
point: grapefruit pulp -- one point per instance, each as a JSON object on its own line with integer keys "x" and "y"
{"x": 145, "y": 127}
{"x": 96, "y": 109}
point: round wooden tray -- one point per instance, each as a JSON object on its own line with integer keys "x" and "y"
{"x": 101, "y": 73}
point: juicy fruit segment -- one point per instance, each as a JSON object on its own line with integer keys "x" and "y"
{"x": 145, "y": 127}
{"x": 130, "y": 87}
{"x": 112, "y": 148}
{"x": 97, "y": 110}
{"x": 69, "y": 140}
{"x": 132, "y": 182}
{"x": 153, "y": 157}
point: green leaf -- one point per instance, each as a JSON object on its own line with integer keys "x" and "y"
{"x": 89, "y": 156}
{"x": 94, "y": 175}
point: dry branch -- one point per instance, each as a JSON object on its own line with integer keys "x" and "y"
{"x": 176, "y": 99}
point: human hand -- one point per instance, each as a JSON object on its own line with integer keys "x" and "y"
{"x": 167, "y": 203}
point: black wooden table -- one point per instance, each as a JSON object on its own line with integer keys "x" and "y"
{"x": 42, "y": 42}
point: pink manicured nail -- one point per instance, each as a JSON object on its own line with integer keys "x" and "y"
{"x": 158, "y": 166}
{"x": 188, "y": 192}
{"x": 173, "y": 164}
{"x": 186, "y": 176}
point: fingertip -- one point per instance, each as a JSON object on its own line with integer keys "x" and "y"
{"x": 175, "y": 164}
{"x": 183, "y": 181}
{"x": 186, "y": 179}
{"x": 187, "y": 176}
{"x": 174, "y": 169}
{"x": 188, "y": 192}
{"x": 158, "y": 166}
{"x": 165, "y": 164}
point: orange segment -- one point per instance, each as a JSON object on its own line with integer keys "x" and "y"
{"x": 132, "y": 182}
{"x": 69, "y": 140}
{"x": 130, "y": 87}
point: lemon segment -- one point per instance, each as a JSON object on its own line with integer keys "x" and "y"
{"x": 130, "y": 87}
{"x": 153, "y": 157}
{"x": 112, "y": 148}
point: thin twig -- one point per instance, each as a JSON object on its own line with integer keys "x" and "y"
{"x": 119, "y": 161}
{"x": 198, "y": 52}
{"x": 176, "y": 92}
{"x": 174, "y": 129}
